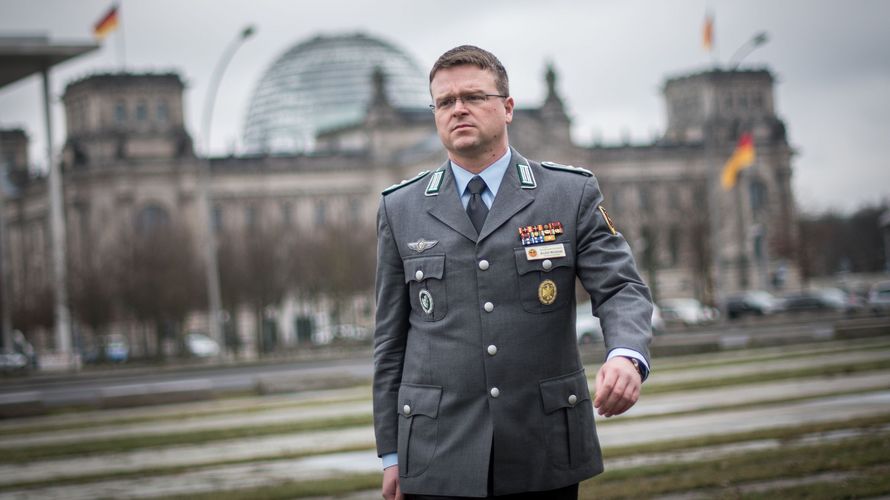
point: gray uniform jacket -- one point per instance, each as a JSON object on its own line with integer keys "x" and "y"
{"x": 475, "y": 359}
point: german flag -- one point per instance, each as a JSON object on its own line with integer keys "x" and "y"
{"x": 107, "y": 24}
{"x": 742, "y": 158}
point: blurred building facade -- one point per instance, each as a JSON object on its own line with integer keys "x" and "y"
{"x": 129, "y": 166}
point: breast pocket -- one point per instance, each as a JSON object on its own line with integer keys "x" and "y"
{"x": 545, "y": 284}
{"x": 425, "y": 277}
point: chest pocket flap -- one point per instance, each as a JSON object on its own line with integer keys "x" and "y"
{"x": 422, "y": 268}
{"x": 525, "y": 266}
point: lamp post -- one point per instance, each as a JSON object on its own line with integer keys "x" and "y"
{"x": 746, "y": 48}
{"x": 210, "y": 250}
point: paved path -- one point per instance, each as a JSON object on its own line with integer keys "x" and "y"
{"x": 658, "y": 425}
{"x": 632, "y": 432}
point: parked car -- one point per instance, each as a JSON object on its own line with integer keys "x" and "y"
{"x": 752, "y": 303}
{"x": 657, "y": 320}
{"x": 116, "y": 348}
{"x": 826, "y": 299}
{"x": 588, "y": 328}
{"x": 344, "y": 332}
{"x": 879, "y": 296}
{"x": 201, "y": 346}
{"x": 14, "y": 362}
{"x": 686, "y": 311}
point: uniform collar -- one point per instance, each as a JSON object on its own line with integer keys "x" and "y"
{"x": 492, "y": 175}
{"x": 446, "y": 205}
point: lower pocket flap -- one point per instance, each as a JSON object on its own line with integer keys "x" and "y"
{"x": 565, "y": 391}
{"x": 415, "y": 399}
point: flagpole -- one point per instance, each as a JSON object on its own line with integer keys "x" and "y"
{"x": 121, "y": 45}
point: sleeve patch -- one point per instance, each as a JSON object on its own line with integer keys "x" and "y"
{"x": 608, "y": 219}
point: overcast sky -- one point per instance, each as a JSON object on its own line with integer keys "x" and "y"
{"x": 831, "y": 60}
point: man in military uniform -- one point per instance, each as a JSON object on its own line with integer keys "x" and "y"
{"x": 478, "y": 386}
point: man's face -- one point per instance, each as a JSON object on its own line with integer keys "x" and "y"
{"x": 471, "y": 130}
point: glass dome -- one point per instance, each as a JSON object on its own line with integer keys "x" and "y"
{"x": 326, "y": 83}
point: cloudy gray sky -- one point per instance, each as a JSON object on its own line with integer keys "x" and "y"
{"x": 831, "y": 59}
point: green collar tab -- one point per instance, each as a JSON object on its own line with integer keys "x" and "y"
{"x": 526, "y": 177}
{"x": 432, "y": 188}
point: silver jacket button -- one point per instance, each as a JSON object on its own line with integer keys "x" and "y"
{"x": 573, "y": 399}
{"x": 547, "y": 265}
{"x": 483, "y": 264}
{"x": 492, "y": 350}
{"x": 406, "y": 410}
{"x": 418, "y": 275}
{"x": 488, "y": 307}
{"x": 495, "y": 392}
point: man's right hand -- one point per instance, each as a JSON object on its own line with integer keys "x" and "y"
{"x": 391, "y": 489}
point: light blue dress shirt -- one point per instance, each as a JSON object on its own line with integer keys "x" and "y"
{"x": 492, "y": 175}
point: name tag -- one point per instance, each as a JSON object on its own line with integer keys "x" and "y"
{"x": 545, "y": 251}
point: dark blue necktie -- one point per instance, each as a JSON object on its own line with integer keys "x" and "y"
{"x": 476, "y": 208}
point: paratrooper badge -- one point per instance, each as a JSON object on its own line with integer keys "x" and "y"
{"x": 422, "y": 245}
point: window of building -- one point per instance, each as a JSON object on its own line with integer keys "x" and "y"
{"x": 217, "y": 221}
{"x": 162, "y": 112}
{"x": 250, "y": 216}
{"x": 355, "y": 211}
{"x": 757, "y": 100}
{"x": 701, "y": 198}
{"x": 674, "y": 197}
{"x": 321, "y": 209}
{"x": 287, "y": 213}
{"x": 758, "y": 193}
{"x": 648, "y": 247}
{"x": 645, "y": 198}
{"x": 141, "y": 111}
{"x": 151, "y": 218}
{"x": 614, "y": 201}
{"x": 674, "y": 245}
{"x": 120, "y": 111}
{"x": 758, "y": 247}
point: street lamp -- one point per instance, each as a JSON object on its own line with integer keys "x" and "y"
{"x": 212, "y": 266}
{"x": 746, "y": 48}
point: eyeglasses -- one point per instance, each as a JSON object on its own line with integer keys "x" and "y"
{"x": 469, "y": 100}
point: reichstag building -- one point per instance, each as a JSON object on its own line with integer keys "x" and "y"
{"x": 334, "y": 121}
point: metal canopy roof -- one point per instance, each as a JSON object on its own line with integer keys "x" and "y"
{"x": 22, "y": 56}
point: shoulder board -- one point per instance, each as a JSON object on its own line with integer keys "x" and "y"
{"x": 567, "y": 168}
{"x": 405, "y": 182}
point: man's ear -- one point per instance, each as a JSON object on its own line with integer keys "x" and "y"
{"x": 508, "y": 106}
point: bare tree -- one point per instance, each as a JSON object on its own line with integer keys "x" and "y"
{"x": 160, "y": 280}
{"x": 92, "y": 296}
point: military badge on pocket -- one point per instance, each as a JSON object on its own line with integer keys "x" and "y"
{"x": 426, "y": 301}
{"x": 547, "y": 292}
